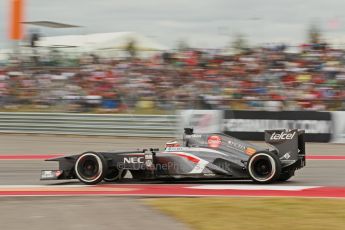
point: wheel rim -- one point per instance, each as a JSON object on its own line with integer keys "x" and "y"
{"x": 89, "y": 167}
{"x": 262, "y": 167}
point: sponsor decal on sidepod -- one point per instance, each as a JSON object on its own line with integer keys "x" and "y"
{"x": 214, "y": 141}
{"x": 133, "y": 160}
{"x": 240, "y": 147}
{"x": 250, "y": 151}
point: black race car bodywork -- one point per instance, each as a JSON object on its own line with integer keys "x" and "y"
{"x": 209, "y": 156}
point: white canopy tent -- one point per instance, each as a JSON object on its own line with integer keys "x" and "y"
{"x": 4, "y": 55}
{"x": 101, "y": 42}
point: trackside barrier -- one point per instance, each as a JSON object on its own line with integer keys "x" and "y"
{"x": 251, "y": 125}
{"x": 339, "y": 127}
{"x": 247, "y": 125}
{"x": 89, "y": 124}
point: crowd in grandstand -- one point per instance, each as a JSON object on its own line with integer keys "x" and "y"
{"x": 257, "y": 79}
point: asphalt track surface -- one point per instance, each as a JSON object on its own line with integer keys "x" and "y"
{"x": 103, "y": 212}
{"x": 27, "y": 172}
{"x": 86, "y": 213}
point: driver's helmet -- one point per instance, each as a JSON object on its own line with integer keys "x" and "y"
{"x": 173, "y": 143}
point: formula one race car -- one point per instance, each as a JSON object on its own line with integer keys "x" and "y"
{"x": 199, "y": 156}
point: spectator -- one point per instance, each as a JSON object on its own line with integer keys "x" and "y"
{"x": 260, "y": 79}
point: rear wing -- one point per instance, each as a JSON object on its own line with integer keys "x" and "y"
{"x": 290, "y": 144}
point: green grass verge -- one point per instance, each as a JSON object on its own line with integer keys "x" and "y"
{"x": 255, "y": 213}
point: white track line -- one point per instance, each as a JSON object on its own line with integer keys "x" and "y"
{"x": 253, "y": 187}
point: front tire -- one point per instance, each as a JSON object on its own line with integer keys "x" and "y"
{"x": 90, "y": 168}
{"x": 264, "y": 167}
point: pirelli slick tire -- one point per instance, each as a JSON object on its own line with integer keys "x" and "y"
{"x": 114, "y": 175}
{"x": 90, "y": 168}
{"x": 264, "y": 167}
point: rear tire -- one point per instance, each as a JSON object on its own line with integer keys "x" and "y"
{"x": 264, "y": 167}
{"x": 286, "y": 175}
{"x": 90, "y": 168}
